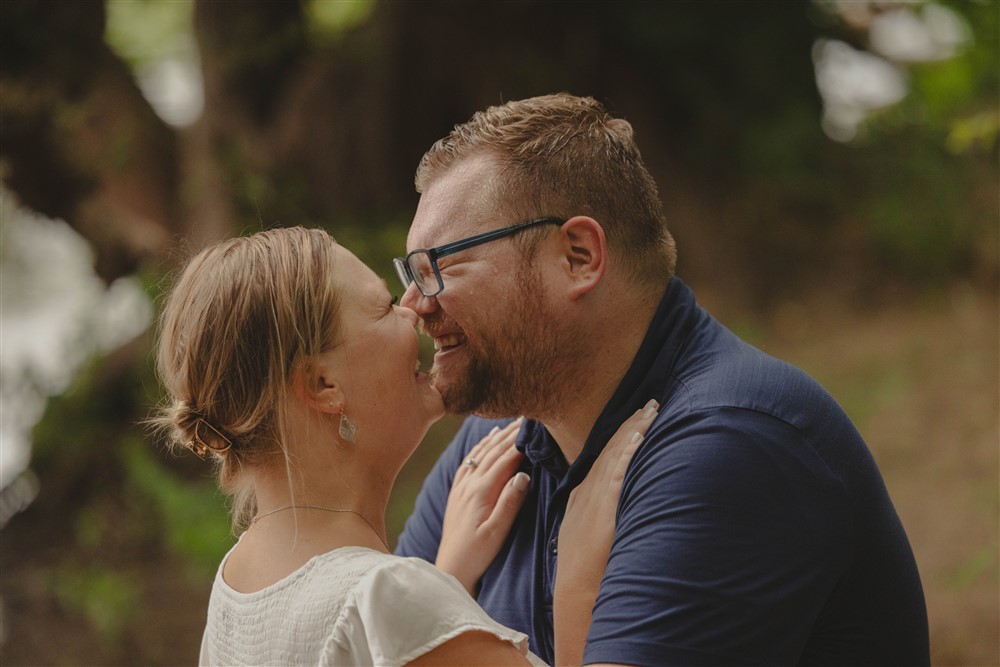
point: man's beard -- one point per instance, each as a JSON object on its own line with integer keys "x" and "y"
{"x": 517, "y": 367}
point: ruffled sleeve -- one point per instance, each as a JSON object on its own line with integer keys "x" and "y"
{"x": 404, "y": 608}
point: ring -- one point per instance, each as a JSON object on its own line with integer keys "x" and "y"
{"x": 471, "y": 463}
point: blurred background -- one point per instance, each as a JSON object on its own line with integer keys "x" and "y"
{"x": 829, "y": 169}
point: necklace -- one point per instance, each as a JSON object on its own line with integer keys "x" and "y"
{"x": 325, "y": 509}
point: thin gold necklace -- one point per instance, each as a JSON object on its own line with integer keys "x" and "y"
{"x": 325, "y": 509}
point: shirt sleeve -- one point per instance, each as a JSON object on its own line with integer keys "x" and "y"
{"x": 404, "y": 609}
{"x": 726, "y": 546}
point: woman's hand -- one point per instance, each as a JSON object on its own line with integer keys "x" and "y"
{"x": 484, "y": 500}
{"x": 586, "y": 534}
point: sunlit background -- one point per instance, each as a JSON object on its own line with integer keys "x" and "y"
{"x": 829, "y": 170}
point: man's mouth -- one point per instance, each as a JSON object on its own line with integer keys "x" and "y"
{"x": 448, "y": 341}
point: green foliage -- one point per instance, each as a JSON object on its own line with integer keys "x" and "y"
{"x": 106, "y": 597}
{"x": 976, "y": 133}
{"x": 143, "y": 30}
{"x": 919, "y": 172}
{"x": 944, "y": 87}
{"x": 980, "y": 566}
{"x": 922, "y": 225}
{"x": 74, "y": 421}
{"x": 192, "y": 514}
{"x": 330, "y": 19}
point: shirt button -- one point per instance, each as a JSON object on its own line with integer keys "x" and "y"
{"x": 553, "y": 546}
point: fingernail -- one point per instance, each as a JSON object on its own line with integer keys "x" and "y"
{"x": 522, "y": 481}
{"x": 650, "y": 410}
{"x": 493, "y": 430}
{"x": 636, "y": 438}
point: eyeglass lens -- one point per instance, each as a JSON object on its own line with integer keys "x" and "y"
{"x": 418, "y": 264}
{"x": 423, "y": 272}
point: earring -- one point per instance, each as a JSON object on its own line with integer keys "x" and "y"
{"x": 348, "y": 428}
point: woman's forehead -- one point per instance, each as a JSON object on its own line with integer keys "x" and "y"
{"x": 355, "y": 276}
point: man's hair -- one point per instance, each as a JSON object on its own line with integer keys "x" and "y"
{"x": 561, "y": 155}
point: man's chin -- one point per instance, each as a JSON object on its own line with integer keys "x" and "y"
{"x": 453, "y": 395}
{"x": 463, "y": 400}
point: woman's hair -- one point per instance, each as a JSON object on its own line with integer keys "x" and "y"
{"x": 561, "y": 155}
{"x": 240, "y": 316}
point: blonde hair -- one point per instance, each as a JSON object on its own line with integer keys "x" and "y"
{"x": 240, "y": 316}
{"x": 561, "y": 155}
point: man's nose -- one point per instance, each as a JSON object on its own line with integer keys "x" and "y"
{"x": 417, "y": 302}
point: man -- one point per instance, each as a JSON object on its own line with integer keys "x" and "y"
{"x": 753, "y": 524}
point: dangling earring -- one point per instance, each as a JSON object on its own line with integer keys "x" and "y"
{"x": 348, "y": 428}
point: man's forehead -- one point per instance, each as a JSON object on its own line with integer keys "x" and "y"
{"x": 454, "y": 205}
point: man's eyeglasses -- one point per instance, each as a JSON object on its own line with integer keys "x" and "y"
{"x": 420, "y": 266}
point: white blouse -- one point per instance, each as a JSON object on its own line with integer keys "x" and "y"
{"x": 350, "y": 606}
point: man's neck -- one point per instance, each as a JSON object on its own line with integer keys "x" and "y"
{"x": 601, "y": 368}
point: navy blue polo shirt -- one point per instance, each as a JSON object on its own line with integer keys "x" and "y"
{"x": 753, "y": 526}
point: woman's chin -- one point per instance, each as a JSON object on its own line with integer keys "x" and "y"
{"x": 438, "y": 406}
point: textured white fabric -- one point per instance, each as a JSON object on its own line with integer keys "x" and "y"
{"x": 351, "y": 606}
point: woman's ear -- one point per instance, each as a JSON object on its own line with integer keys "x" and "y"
{"x": 585, "y": 254}
{"x": 314, "y": 384}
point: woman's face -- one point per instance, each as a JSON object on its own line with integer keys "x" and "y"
{"x": 385, "y": 391}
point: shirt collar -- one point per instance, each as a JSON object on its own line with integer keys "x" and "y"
{"x": 646, "y": 378}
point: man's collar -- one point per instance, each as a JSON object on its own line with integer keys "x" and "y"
{"x": 647, "y": 377}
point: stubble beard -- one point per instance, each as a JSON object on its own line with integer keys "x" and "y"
{"x": 518, "y": 366}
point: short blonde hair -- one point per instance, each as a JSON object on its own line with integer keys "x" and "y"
{"x": 561, "y": 155}
{"x": 242, "y": 313}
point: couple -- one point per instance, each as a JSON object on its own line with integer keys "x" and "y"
{"x": 672, "y": 496}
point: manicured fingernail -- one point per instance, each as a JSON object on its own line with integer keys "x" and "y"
{"x": 522, "y": 481}
{"x": 650, "y": 410}
{"x": 493, "y": 430}
{"x": 636, "y": 438}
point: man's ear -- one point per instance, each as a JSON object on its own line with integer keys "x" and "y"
{"x": 585, "y": 254}
{"x": 314, "y": 383}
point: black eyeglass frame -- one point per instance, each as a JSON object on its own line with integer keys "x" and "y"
{"x": 405, "y": 273}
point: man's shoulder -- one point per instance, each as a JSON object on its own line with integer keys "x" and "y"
{"x": 730, "y": 373}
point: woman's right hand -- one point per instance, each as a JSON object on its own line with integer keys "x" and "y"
{"x": 586, "y": 535}
{"x": 485, "y": 497}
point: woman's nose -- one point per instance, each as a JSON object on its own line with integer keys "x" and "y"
{"x": 409, "y": 314}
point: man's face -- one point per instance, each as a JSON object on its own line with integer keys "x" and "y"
{"x": 498, "y": 352}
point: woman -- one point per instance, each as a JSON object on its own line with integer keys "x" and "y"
{"x": 289, "y": 365}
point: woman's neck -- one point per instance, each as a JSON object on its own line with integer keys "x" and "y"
{"x": 335, "y": 501}
{"x": 320, "y": 527}
{"x": 277, "y": 545}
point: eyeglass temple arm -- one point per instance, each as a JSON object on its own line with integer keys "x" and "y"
{"x": 485, "y": 237}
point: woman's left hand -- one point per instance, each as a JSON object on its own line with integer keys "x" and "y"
{"x": 587, "y": 534}
{"x": 484, "y": 500}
